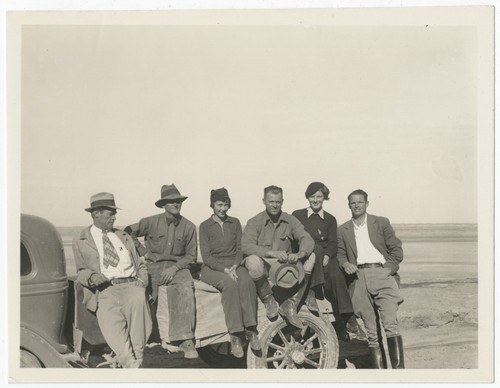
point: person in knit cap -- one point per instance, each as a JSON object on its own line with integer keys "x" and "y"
{"x": 220, "y": 245}
{"x": 170, "y": 249}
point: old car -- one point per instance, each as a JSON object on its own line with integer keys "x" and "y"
{"x": 58, "y": 331}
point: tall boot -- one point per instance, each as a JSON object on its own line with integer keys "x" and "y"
{"x": 288, "y": 308}
{"x": 266, "y": 296}
{"x": 396, "y": 354}
{"x": 377, "y": 359}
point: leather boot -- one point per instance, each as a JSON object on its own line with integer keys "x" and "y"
{"x": 377, "y": 359}
{"x": 288, "y": 308}
{"x": 253, "y": 338}
{"x": 396, "y": 354}
{"x": 266, "y": 296}
{"x": 340, "y": 326}
{"x": 311, "y": 302}
{"x": 236, "y": 348}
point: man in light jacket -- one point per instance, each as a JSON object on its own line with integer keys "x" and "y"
{"x": 114, "y": 281}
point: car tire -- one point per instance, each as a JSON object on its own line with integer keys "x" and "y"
{"x": 29, "y": 360}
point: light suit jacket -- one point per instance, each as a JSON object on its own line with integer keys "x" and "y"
{"x": 383, "y": 238}
{"x": 87, "y": 262}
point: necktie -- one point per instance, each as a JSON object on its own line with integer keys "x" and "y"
{"x": 111, "y": 257}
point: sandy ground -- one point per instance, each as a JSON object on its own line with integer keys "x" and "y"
{"x": 438, "y": 322}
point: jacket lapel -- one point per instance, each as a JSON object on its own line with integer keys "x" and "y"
{"x": 351, "y": 239}
{"x": 372, "y": 229}
{"x": 88, "y": 240}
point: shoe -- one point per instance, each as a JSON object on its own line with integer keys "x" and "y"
{"x": 253, "y": 339}
{"x": 395, "y": 345}
{"x": 187, "y": 347}
{"x": 311, "y": 303}
{"x": 271, "y": 307}
{"x": 169, "y": 347}
{"x": 236, "y": 348}
{"x": 288, "y": 310}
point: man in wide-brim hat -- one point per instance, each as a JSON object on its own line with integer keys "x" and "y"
{"x": 170, "y": 248}
{"x": 114, "y": 281}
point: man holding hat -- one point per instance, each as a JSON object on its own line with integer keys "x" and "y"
{"x": 267, "y": 245}
{"x": 114, "y": 281}
{"x": 171, "y": 247}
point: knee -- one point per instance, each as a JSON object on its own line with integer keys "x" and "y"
{"x": 255, "y": 266}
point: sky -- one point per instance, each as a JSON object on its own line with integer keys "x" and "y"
{"x": 128, "y": 108}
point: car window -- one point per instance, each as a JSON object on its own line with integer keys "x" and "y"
{"x": 26, "y": 265}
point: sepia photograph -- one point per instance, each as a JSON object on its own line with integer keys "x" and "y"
{"x": 203, "y": 192}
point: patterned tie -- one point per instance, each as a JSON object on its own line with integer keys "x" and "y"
{"x": 110, "y": 255}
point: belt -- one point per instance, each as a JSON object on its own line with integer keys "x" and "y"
{"x": 371, "y": 265}
{"x": 116, "y": 281}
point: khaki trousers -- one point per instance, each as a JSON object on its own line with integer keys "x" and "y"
{"x": 376, "y": 290}
{"x": 125, "y": 321}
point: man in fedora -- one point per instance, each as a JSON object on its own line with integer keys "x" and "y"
{"x": 267, "y": 245}
{"x": 114, "y": 281}
{"x": 170, "y": 249}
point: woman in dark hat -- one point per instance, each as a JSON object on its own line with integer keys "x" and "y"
{"x": 220, "y": 245}
{"x": 322, "y": 226}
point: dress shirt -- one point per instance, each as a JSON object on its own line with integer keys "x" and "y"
{"x": 125, "y": 267}
{"x": 367, "y": 253}
{"x": 310, "y": 212}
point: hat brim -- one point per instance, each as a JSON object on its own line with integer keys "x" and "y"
{"x": 90, "y": 209}
{"x": 163, "y": 201}
{"x": 277, "y": 267}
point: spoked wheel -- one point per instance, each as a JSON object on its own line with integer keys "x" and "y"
{"x": 219, "y": 356}
{"x": 287, "y": 347}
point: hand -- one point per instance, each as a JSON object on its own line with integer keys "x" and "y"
{"x": 98, "y": 279}
{"x": 349, "y": 268}
{"x": 388, "y": 270}
{"x": 142, "y": 281}
{"x": 168, "y": 274}
{"x": 326, "y": 260}
{"x": 282, "y": 256}
{"x": 231, "y": 272}
{"x": 293, "y": 258}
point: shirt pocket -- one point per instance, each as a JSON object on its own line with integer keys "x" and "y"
{"x": 286, "y": 243}
{"x": 179, "y": 248}
{"x": 156, "y": 243}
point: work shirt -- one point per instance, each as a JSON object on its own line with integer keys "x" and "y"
{"x": 175, "y": 242}
{"x": 367, "y": 253}
{"x": 125, "y": 267}
{"x": 262, "y": 235}
{"x": 220, "y": 243}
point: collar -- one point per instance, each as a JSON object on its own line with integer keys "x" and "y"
{"x": 95, "y": 229}
{"x": 310, "y": 212}
{"x": 228, "y": 219}
{"x": 281, "y": 219}
{"x": 362, "y": 224}
{"x": 173, "y": 220}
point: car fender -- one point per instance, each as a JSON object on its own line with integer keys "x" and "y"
{"x": 42, "y": 349}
